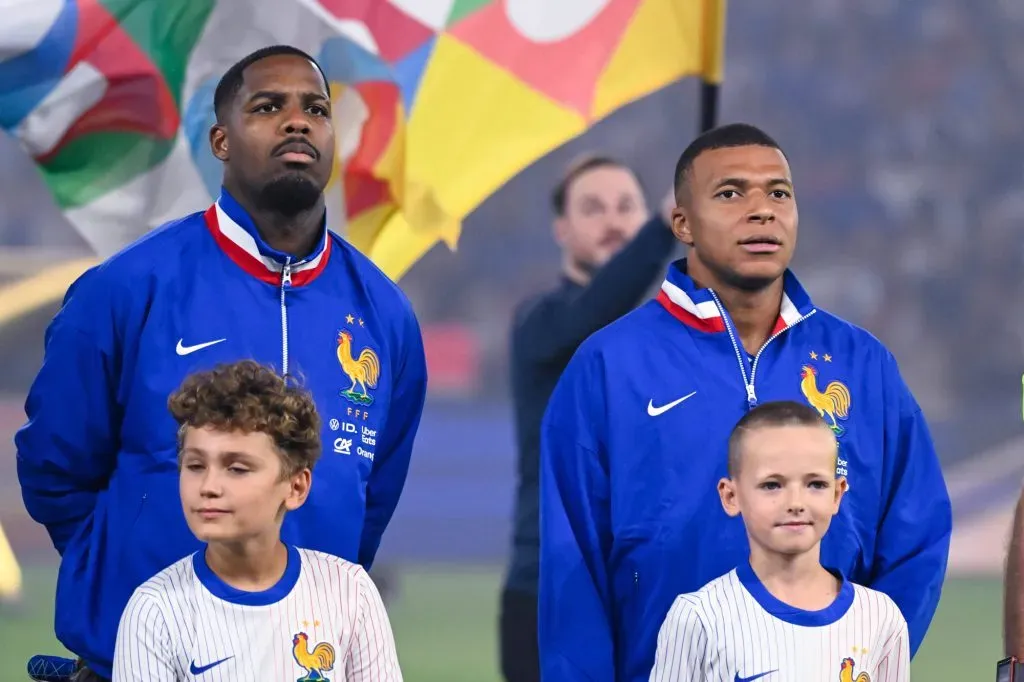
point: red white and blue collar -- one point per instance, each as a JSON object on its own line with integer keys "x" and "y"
{"x": 697, "y": 307}
{"x": 236, "y": 234}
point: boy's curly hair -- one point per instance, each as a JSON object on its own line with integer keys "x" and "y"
{"x": 249, "y": 397}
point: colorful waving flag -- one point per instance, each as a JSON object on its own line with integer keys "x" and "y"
{"x": 438, "y": 102}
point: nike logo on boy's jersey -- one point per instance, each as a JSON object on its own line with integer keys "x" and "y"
{"x": 199, "y": 670}
{"x": 753, "y": 677}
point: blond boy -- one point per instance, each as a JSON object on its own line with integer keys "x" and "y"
{"x": 782, "y": 616}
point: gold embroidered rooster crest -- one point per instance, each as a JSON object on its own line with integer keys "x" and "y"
{"x": 363, "y": 370}
{"x": 315, "y": 662}
{"x": 833, "y": 403}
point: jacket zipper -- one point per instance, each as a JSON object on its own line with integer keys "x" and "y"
{"x": 286, "y": 283}
{"x": 749, "y": 385}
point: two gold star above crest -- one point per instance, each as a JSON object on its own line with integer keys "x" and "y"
{"x": 826, "y": 357}
{"x": 350, "y": 319}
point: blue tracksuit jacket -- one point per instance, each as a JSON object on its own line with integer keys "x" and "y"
{"x": 97, "y": 458}
{"x": 630, "y": 515}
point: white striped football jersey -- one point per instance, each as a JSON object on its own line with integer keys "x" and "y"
{"x": 734, "y": 630}
{"x": 323, "y": 621}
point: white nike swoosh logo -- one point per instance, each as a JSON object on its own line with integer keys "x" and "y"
{"x": 655, "y": 411}
{"x": 186, "y": 350}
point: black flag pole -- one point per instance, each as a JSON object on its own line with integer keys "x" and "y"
{"x": 708, "y": 106}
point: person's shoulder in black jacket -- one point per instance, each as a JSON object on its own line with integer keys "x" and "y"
{"x": 613, "y": 251}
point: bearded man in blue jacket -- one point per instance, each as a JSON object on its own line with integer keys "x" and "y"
{"x": 634, "y": 437}
{"x": 256, "y": 275}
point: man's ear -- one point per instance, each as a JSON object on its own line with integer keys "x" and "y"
{"x": 219, "y": 141}
{"x": 561, "y": 230}
{"x": 681, "y": 225}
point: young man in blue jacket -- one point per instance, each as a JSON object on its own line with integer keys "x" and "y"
{"x": 634, "y": 437}
{"x": 257, "y": 275}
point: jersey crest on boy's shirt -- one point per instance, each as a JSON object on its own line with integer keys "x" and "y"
{"x": 316, "y": 662}
{"x": 846, "y": 669}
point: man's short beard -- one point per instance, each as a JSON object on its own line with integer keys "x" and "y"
{"x": 588, "y": 268}
{"x": 748, "y": 284}
{"x": 290, "y": 194}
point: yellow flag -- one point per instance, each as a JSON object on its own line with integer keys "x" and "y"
{"x": 457, "y": 105}
{"x": 10, "y": 572}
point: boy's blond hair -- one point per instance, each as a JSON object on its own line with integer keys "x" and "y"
{"x": 776, "y": 413}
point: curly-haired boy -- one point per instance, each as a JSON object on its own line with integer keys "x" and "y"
{"x": 247, "y": 606}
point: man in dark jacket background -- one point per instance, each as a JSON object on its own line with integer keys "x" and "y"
{"x": 613, "y": 251}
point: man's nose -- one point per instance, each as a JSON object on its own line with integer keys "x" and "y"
{"x": 297, "y": 123}
{"x": 762, "y": 215}
{"x": 615, "y": 226}
{"x": 761, "y": 209}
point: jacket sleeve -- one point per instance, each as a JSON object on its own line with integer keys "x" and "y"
{"x": 575, "y": 629}
{"x": 552, "y": 333}
{"x": 391, "y": 461}
{"x": 67, "y": 448}
{"x": 912, "y": 548}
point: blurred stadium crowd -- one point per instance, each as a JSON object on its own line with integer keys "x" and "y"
{"x": 902, "y": 124}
